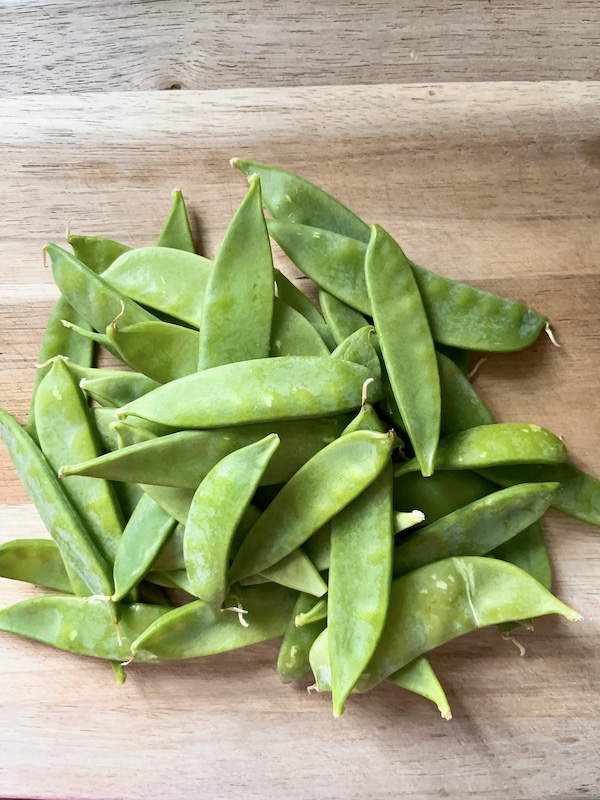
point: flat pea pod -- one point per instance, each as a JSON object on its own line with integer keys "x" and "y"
{"x": 293, "y": 334}
{"x": 296, "y": 299}
{"x": 162, "y": 351}
{"x": 406, "y": 343}
{"x": 65, "y": 430}
{"x": 96, "y": 300}
{"x": 528, "y": 550}
{"x": 332, "y": 479}
{"x": 459, "y": 315}
{"x": 184, "y": 459}
{"x": 81, "y": 557}
{"x": 477, "y": 528}
{"x": 296, "y": 571}
{"x": 292, "y": 661}
{"x": 441, "y": 493}
{"x": 495, "y": 445}
{"x": 199, "y": 629}
{"x": 113, "y": 388}
{"x": 79, "y": 625}
{"x": 216, "y": 511}
{"x": 261, "y": 390}
{"x": 35, "y": 561}
{"x": 175, "y": 502}
{"x": 143, "y": 538}
{"x": 107, "y": 426}
{"x": 418, "y": 677}
{"x": 440, "y": 602}
{"x": 359, "y": 348}
{"x": 462, "y": 407}
{"x": 176, "y": 231}
{"x": 579, "y": 493}
{"x": 237, "y": 311}
{"x": 341, "y": 318}
{"x": 96, "y": 252}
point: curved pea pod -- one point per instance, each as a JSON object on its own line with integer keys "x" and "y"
{"x": 96, "y": 300}
{"x": 296, "y": 299}
{"x": 199, "y": 629}
{"x": 145, "y": 533}
{"x": 365, "y": 420}
{"x": 113, "y": 388}
{"x": 342, "y": 320}
{"x": 440, "y": 602}
{"x": 162, "y": 351}
{"x": 80, "y": 555}
{"x": 79, "y": 625}
{"x": 418, "y": 677}
{"x": 441, "y": 493}
{"x": 184, "y": 459}
{"x": 579, "y": 493}
{"x": 34, "y": 561}
{"x": 288, "y": 196}
{"x": 65, "y": 430}
{"x": 170, "y": 281}
{"x": 360, "y": 349}
{"x": 215, "y": 513}
{"x": 315, "y": 613}
{"x": 292, "y": 661}
{"x": 477, "y": 528}
{"x": 332, "y": 479}
{"x": 260, "y": 390}
{"x": 176, "y": 231}
{"x": 495, "y": 445}
{"x": 462, "y": 407}
{"x": 296, "y": 571}
{"x": 293, "y": 334}
{"x": 406, "y": 343}
{"x": 237, "y": 311}
{"x": 96, "y": 252}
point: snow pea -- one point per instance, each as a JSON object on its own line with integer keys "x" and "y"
{"x": 260, "y": 390}
{"x": 176, "y": 231}
{"x": 440, "y": 494}
{"x": 175, "y": 502}
{"x": 293, "y": 334}
{"x": 359, "y": 348}
{"x": 528, "y": 551}
{"x": 199, "y": 629}
{"x": 215, "y": 513}
{"x": 96, "y": 252}
{"x": 318, "y": 547}
{"x": 418, "y": 677}
{"x": 112, "y": 388}
{"x": 159, "y": 350}
{"x": 462, "y": 407}
{"x": 296, "y": 571}
{"x": 460, "y": 357}
{"x": 477, "y": 528}
{"x": 167, "y": 280}
{"x": 34, "y": 561}
{"x": 332, "y": 479}
{"x": 237, "y": 311}
{"x": 495, "y": 445}
{"x": 406, "y": 344}
{"x": 292, "y": 661}
{"x": 296, "y": 299}
{"x": 341, "y": 318}
{"x": 315, "y": 613}
{"x": 79, "y": 625}
{"x": 183, "y": 459}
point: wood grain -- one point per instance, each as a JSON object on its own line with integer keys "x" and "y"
{"x": 496, "y": 184}
{"x": 84, "y": 45}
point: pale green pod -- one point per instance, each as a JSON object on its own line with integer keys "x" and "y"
{"x": 34, "y": 561}
{"x": 295, "y": 297}
{"x": 418, "y": 677}
{"x": 293, "y": 334}
{"x": 176, "y": 231}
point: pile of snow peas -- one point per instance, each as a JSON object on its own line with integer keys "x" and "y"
{"x": 263, "y": 467}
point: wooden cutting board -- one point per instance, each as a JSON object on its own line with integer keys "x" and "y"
{"x": 496, "y": 184}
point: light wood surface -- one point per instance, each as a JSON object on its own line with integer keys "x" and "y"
{"x": 496, "y": 184}
{"x": 88, "y": 45}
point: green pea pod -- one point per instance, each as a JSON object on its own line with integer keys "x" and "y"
{"x": 359, "y": 348}
{"x": 296, "y": 571}
{"x": 237, "y": 312}
{"x": 406, "y": 343}
{"x": 418, "y": 677}
{"x": 292, "y": 662}
{"x": 293, "y": 334}
{"x": 440, "y": 494}
{"x": 109, "y": 429}
{"x": 365, "y": 420}
{"x": 171, "y": 554}
{"x": 342, "y": 320}
{"x": 96, "y": 300}
{"x": 96, "y": 252}
{"x": 315, "y": 613}
{"x": 170, "y": 281}
{"x": 79, "y": 625}
{"x": 332, "y": 479}
{"x": 460, "y": 357}
{"x": 113, "y": 388}
{"x": 34, "y": 561}
{"x": 184, "y": 459}
{"x": 174, "y": 579}
{"x": 440, "y": 602}
{"x": 318, "y": 547}
{"x": 215, "y": 513}
{"x": 176, "y": 502}
{"x": 261, "y": 390}
{"x": 477, "y": 528}
{"x": 65, "y": 430}
{"x": 579, "y": 493}
{"x": 81, "y": 557}
{"x": 296, "y": 299}
{"x": 146, "y": 532}
{"x": 198, "y": 629}
{"x": 176, "y": 231}
{"x": 99, "y": 338}
{"x": 462, "y": 407}
{"x": 495, "y": 445}
{"x": 158, "y": 350}
{"x": 528, "y": 551}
